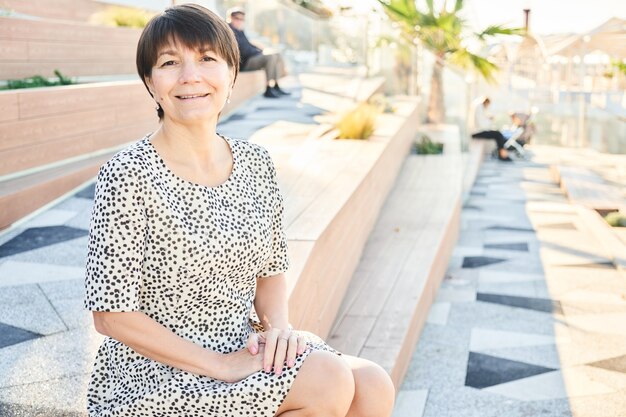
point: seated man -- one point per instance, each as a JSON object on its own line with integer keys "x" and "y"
{"x": 252, "y": 57}
{"x": 482, "y": 128}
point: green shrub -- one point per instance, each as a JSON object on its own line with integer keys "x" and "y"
{"x": 616, "y": 219}
{"x": 122, "y": 17}
{"x": 358, "y": 123}
{"x": 425, "y": 146}
{"x": 38, "y": 81}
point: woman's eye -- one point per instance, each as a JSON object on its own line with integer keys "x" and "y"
{"x": 167, "y": 63}
{"x": 207, "y": 58}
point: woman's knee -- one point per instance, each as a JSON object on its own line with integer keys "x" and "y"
{"x": 324, "y": 386}
{"x": 374, "y": 391}
{"x": 334, "y": 379}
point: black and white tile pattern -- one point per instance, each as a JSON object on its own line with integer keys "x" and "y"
{"x": 11, "y": 335}
{"x": 529, "y": 320}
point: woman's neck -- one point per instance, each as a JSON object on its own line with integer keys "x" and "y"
{"x": 198, "y": 145}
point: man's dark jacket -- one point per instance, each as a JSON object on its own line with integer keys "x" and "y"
{"x": 246, "y": 49}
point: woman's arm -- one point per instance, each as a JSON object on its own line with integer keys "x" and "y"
{"x": 271, "y": 302}
{"x": 281, "y": 344}
{"x": 153, "y": 340}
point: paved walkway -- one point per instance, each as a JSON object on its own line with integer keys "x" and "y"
{"x": 530, "y": 319}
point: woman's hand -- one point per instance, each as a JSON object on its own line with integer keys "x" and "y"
{"x": 280, "y": 347}
{"x": 241, "y": 364}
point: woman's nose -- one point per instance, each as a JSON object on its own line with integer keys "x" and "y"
{"x": 189, "y": 72}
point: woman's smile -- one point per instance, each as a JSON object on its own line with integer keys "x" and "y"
{"x": 192, "y": 98}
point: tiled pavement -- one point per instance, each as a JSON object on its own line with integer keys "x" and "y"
{"x": 530, "y": 318}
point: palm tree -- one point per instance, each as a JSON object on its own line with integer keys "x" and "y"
{"x": 445, "y": 34}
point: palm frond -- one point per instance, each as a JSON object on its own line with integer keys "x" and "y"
{"x": 494, "y": 30}
{"x": 467, "y": 60}
{"x": 401, "y": 11}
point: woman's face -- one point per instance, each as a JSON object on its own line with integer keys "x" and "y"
{"x": 190, "y": 85}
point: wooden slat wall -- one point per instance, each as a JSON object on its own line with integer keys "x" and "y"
{"x": 31, "y": 47}
{"x": 45, "y": 125}
{"x": 52, "y": 124}
{"x": 79, "y": 10}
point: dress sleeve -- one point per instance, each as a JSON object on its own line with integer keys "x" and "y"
{"x": 278, "y": 261}
{"x": 116, "y": 241}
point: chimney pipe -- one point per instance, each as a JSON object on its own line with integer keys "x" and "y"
{"x": 526, "y": 19}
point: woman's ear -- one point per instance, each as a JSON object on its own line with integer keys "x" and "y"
{"x": 150, "y": 86}
{"x": 232, "y": 77}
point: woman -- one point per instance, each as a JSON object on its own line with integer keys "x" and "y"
{"x": 185, "y": 238}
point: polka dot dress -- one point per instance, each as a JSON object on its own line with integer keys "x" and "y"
{"x": 188, "y": 256}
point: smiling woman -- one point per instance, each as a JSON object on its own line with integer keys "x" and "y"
{"x": 186, "y": 44}
{"x": 186, "y": 237}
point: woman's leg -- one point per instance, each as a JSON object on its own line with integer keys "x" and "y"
{"x": 374, "y": 393}
{"x": 324, "y": 386}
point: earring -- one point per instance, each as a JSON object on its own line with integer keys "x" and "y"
{"x": 228, "y": 99}
{"x": 158, "y": 106}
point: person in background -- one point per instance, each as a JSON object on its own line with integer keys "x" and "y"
{"x": 482, "y": 127}
{"x": 254, "y": 58}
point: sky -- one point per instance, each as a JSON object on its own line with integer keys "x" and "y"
{"x": 547, "y": 16}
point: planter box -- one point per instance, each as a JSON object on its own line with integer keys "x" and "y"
{"x": 41, "y": 126}
{"x": 52, "y": 139}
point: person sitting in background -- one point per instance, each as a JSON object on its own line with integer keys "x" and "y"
{"x": 520, "y": 123}
{"x": 254, "y": 58}
{"x": 483, "y": 127}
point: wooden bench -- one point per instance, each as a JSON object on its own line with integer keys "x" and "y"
{"x": 474, "y": 159}
{"x": 333, "y": 193}
{"x": 585, "y": 188}
{"x": 402, "y": 265}
{"x": 595, "y": 198}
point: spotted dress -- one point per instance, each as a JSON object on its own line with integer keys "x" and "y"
{"x": 188, "y": 256}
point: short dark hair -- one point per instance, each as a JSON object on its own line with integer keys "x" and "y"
{"x": 195, "y": 27}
